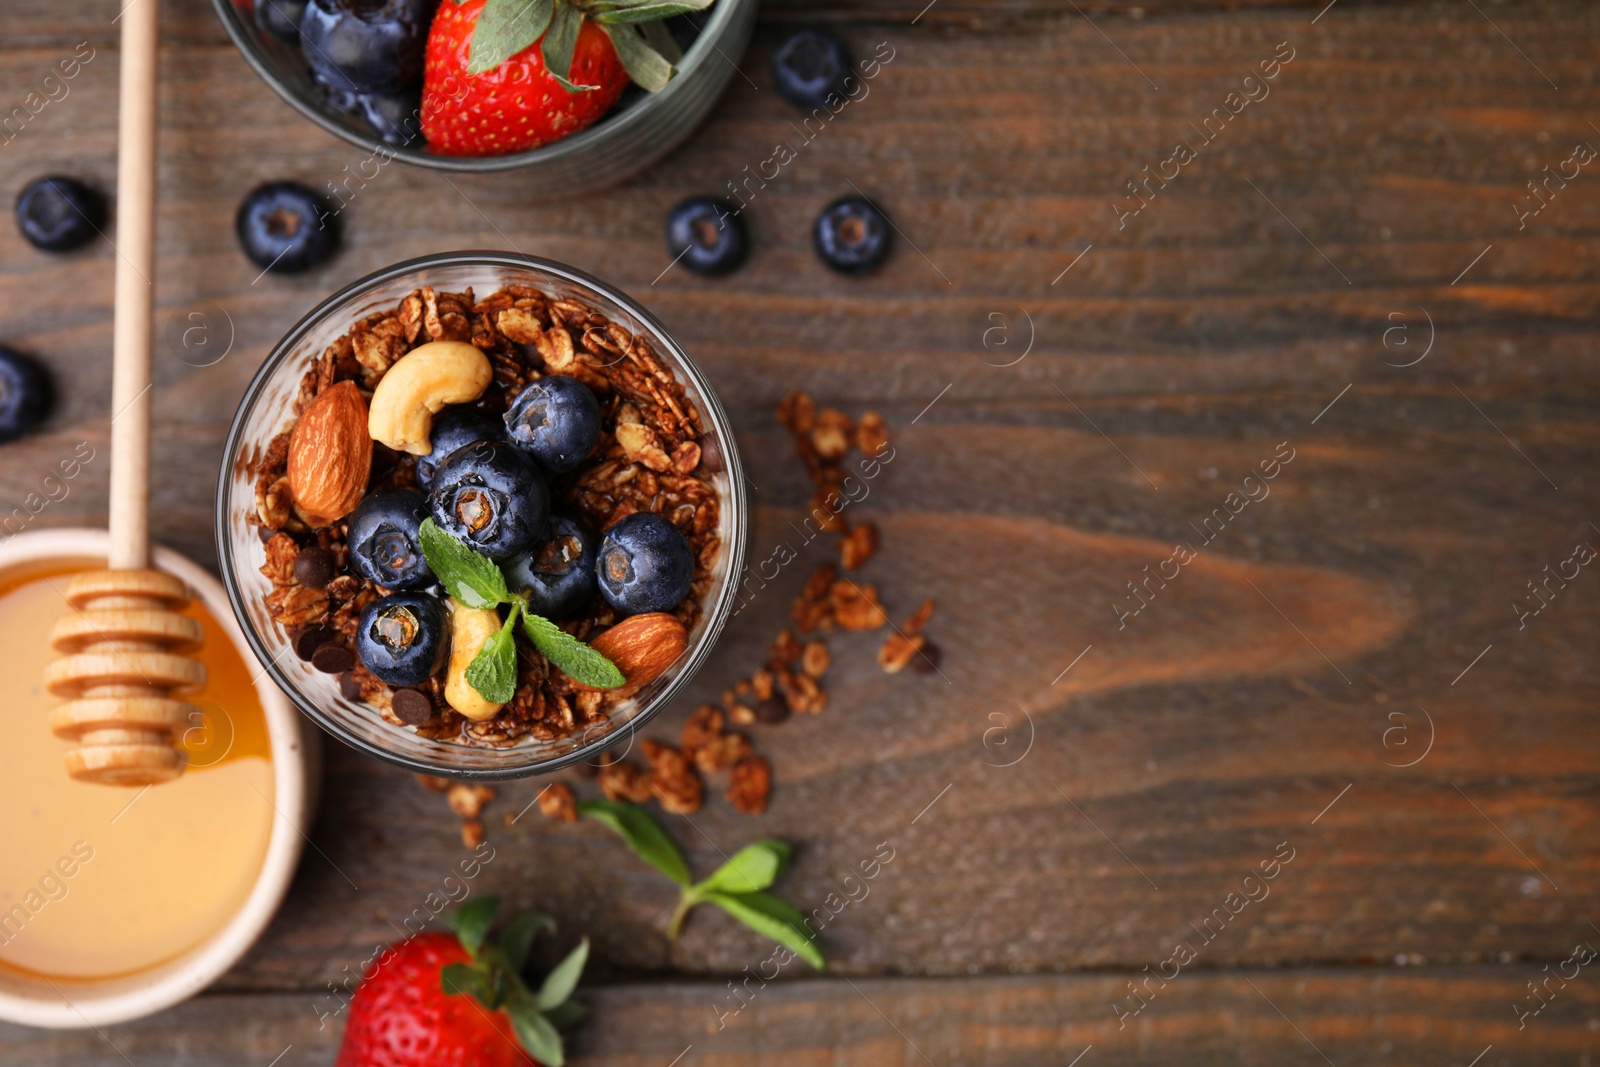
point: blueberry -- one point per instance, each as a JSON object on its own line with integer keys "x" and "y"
{"x": 556, "y": 420}
{"x": 285, "y": 227}
{"x": 403, "y": 638}
{"x": 280, "y": 18}
{"x": 852, "y": 236}
{"x": 558, "y": 576}
{"x": 492, "y": 497}
{"x": 384, "y": 546}
{"x": 396, "y": 117}
{"x": 707, "y": 235}
{"x": 26, "y": 395}
{"x": 645, "y": 564}
{"x": 366, "y": 46}
{"x": 59, "y": 214}
{"x": 455, "y": 428}
{"x": 809, "y": 68}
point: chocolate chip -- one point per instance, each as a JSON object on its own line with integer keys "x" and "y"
{"x": 772, "y": 710}
{"x": 330, "y": 658}
{"x": 412, "y": 707}
{"x": 307, "y": 641}
{"x": 266, "y": 533}
{"x": 314, "y": 568}
{"x": 350, "y": 687}
{"x": 927, "y": 660}
{"x": 711, "y": 455}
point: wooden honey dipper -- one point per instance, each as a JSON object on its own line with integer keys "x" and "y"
{"x": 124, "y": 649}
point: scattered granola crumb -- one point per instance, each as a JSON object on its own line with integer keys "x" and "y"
{"x": 673, "y": 779}
{"x": 856, "y": 607}
{"x": 750, "y": 785}
{"x": 428, "y": 781}
{"x": 742, "y": 715}
{"x": 559, "y": 802}
{"x": 858, "y": 546}
{"x": 624, "y": 781}
{"x": 468, "y": 799}
{"x": 872, "y": 434}
{"x": 898, "y": 651}
{"x": 816, "y": 660}
{"x": 472, "y": 833}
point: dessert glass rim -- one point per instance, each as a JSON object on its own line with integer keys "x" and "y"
{"x": 715, "y": 615}
{"x": 697, "y": 54}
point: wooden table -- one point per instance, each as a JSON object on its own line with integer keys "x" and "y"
{"x": 1340, "y": 274}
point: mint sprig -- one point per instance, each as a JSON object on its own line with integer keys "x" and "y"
{"x": 506, "y": 27}
{"x": 737, "y": 887}
{"x": 494, "y": 977}
{"x": 478, "y": 582}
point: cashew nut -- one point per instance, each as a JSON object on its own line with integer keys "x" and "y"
{"x": 420, "y": 383}
{"x": 470, "y": 628}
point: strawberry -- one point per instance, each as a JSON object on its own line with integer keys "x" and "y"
{"x": 507, "y": 75}
{"x": 453, "y": 1000}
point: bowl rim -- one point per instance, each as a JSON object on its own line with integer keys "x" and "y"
{"x": 716, "y": 615}
{"x": 294, "y": 759}
{"x": 722, "y": 13}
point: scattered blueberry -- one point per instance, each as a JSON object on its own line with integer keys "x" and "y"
{"x": 403, "y": 637}
{"x": 455, "y": 428}
{"x": 707, "y": 234}
{"x": 280, "y": 18}
{"x": 366, "y": 46}
{"x": 556, "y": 420}
{"x": 491, "y": 496}
{"x": 558, "y": 576}
{"x": 59, "y": 214}
{"x": 396, "y": 117}
{"x": 285, "y": 227}
{"x": 645, "y": 564}
{"x": 810, "y": 68}
{"x": 851, "y": 236}
{"x": 26, "y": 395}
{"x": 384, "y": 544}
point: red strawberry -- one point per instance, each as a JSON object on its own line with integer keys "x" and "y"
{"x": 452, "y": 1000}
{"x": 518, "y": 104}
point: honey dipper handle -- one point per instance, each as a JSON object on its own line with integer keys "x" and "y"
{"x": 135, "y": 286}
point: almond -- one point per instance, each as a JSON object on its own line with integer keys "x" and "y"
{"x": 330, "y": 454}
{"x": 642, "y": 646}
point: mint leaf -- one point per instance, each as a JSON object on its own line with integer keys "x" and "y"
{"x": 774, "y": 918}
{"x": 471, "y": 578}
{"x": 753, "y": 867}
{"x": 493, "y": 671}
{"x": 471, "y": 922}
{"x": 516, "y": 940}
{"x": 559, "y": 983}
{"x": 644, "y": 64}
{"x": 506, "y": 27}
{"x": 642, "y": 834}
{"x": 536, "y": 1034}
{"x": 581, "y": 662}
{"x": 559, "y": 42}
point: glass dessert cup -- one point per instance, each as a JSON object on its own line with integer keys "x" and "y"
{"x": 631, "y": 138}
{"x": 267, "y": 409}
{"x": 65, "y": 1003}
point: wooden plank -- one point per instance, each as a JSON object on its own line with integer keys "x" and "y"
{"x": 1449, "y": 1016}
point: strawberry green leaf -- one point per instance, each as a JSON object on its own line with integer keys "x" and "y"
{"x": 621, "y": 11}
{"x": 641, "y": 833}
{"x": 516, "y": 940}
{"x": 536, "y": 1034}
{"x": 580, "y": 662}
{"x": 471, "y": 922}
{"x": 506, "y": 27}
{"x": 774, "y": 918}
{"x": 471, "y": 578}
{"x": 493, "y": 671}
{"x": 566, "y": 1016}
{"x": 559, "y": 42}
{"x": 753, "y": 867}
{"x": 559, "y": 983}
{"x": 464, "y": 978}
{"x": 657, "y": 36}
{"x": 644, "y": 64}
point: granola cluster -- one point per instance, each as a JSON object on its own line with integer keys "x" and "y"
{"x": 652, "y": 455}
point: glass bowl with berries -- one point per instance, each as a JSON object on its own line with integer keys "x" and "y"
{"x": 578, "y": 93}
{"x": 480, "y": 515}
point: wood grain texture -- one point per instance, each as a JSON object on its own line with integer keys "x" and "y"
{"x": 1296, "y": 663}
{"x": 1449, "y": 1016}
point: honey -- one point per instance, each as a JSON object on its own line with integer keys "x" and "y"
{"x": 96, "y": 880}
